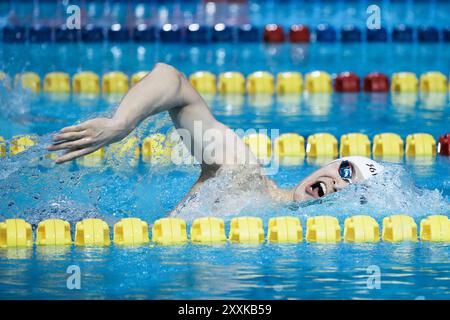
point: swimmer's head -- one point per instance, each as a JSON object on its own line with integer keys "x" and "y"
{"x": 335, "y": 176}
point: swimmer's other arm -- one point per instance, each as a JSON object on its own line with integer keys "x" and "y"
{"x": 163, "y": 89}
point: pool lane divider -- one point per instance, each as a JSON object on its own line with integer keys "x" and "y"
{"x": 195, "y": 33}
{"x": 211, "y": 230}
{"x": 157, "y": 148}
{"x": 234, "y": 82}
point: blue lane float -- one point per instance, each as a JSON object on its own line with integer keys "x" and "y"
{"x": 446, "y": 34}
{"x": 14, "y": 34}
{"x": 427, "y": 34}
{"x": 402, "y": 33}
{"x": 40, "y": 34}
{"x": 92, "y": 33}
{"x": 144, "y": 33}
{"x": 249, "y": 33}
{"x": 351, "y": 33}
{"x": 118, "y": 33}
{"x": 63, "y": 34}
{"x": 196, "y": 33}
{"x": 223, "y": 33}
{"x": 325, "y": 33}
{"x": 170, "y": 33}
{"x": 377, "y": 35}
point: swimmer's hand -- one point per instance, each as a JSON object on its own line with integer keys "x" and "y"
{"x": 87, "y": 137}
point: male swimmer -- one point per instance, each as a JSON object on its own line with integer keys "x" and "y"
{"x": 166, "y": 89}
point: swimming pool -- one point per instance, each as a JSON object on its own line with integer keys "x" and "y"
{"x": 34, "y": 189}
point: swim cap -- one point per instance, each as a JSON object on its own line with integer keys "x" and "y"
{"x": 366, "y": 166}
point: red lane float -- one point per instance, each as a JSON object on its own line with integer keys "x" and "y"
{"x": 347, "y": 82}
{"x": 299, "y": 33}
{"x": 376, "y": 82}
{"x": 273, "y": 33}
{"x": 444, "y": 145}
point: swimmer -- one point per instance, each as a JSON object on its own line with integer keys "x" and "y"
{"x": 166, "y": 89}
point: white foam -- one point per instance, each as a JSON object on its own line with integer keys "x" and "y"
{"x": 391, "y": 192}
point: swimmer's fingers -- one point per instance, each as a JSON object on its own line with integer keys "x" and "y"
{"x": 70, "y": 136}
{"x": 76, "y": 128}
{"x": 76, "y": 144}
{"x": 73, "y": 154}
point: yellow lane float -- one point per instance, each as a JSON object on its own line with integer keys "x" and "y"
{"x": 246, "y": 230}
{"x": 92, "y": 232}
{"x": 131, "y": 232}
{"x": 387, "y": 145}
{"x": 21, "y": 143}
{"x": 57, "y": 82}
{"x": 115, "y": 82}
{"x": 2, "y": 147}
{"x": 168, "y": 231}
{"x": 354, "y": 144}
{"x": 398, "y": 228}
{"x": 404, "y": 82}
{"x": 289, "y": 83}
{"x": 29, "y": 81}
{"x": 208, "y": 230}
{"x": 318, "y": 82}
{"x": 433, "y": 81}
{"x": 259, "y": 144}
{"x": 323, "y": 229}
{"x": 231, "y": 83}
{"x": 260, "y": 82}
{"x": 15, "y": 233}
{"x": 53, "y": 232}
{"x": 361, "y": 229}
{"x": 420, "y": 144}
{"x": 322, "y": 145}
{"x": 127, "y": 149}
{"x": 203, "y": 82}
{"x": 156, "y": 147}
{"x": 93, "y": 159}
{"x": 290, "y": 145}
{"x": 435, "y": 228}
{"x": 285, "y": 230}
{"x": 86, "y": 82}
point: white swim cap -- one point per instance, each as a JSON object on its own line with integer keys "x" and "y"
{"x": 366, "y": 166}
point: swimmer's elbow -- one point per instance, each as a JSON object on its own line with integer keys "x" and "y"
{"x": 165, "y": 66}
{"x": 172, "y": 76}
{"x": 169, "y": 71}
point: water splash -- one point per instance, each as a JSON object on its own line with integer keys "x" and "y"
{"x": 230, "y": 193}
{"x": 392, "y": 192}
{"x": 34, "y": 188}
{"x": 14, "y": 104}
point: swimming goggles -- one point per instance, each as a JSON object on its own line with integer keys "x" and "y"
{"x": 346, "y": 171}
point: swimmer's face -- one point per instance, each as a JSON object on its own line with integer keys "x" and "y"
{"x": 329, "y": 179}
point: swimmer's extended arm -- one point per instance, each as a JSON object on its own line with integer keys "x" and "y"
{"x": 163, "y": 89}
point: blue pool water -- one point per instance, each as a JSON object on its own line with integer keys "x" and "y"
{"x": 36, "y": 189}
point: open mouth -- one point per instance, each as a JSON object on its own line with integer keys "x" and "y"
{"x": 318, "y": 189}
